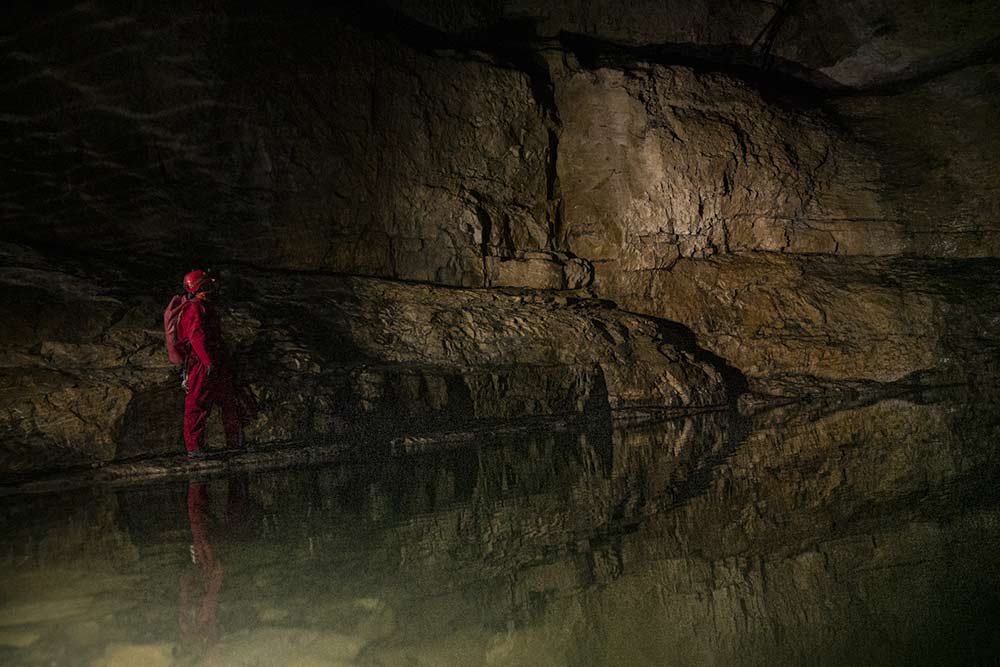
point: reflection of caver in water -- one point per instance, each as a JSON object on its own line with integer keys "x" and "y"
{"x": 202, "y": 584}
{"x": 209, "y": 376}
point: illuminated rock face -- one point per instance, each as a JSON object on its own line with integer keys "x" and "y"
{"x": 87, "y": 379}
{"x": 782, "y": 239}
{"x": 822, "y": 213}
{"x": 661, "y": 163}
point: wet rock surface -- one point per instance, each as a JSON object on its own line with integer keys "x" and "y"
{"x": 854, "y": 535}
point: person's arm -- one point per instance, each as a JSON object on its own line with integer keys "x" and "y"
{"x": 200, "y": 344}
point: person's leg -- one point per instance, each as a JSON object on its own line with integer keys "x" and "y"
{"x": 197, "y": 407}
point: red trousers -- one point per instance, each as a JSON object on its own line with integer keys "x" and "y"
{"x": 205, "y": 392}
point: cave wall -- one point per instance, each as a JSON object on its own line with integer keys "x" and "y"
{"x": 379, "y": 159}
{"x": 331, "y": 359}
{"x": 810, "y": 205}
{"x": 291, "y": 143}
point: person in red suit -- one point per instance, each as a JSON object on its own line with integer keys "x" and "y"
{"x": 209, "y": 377}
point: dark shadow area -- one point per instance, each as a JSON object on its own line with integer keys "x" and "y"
{"x": 152, "y": 422}
{"x": 516, "y": 41}
{"x": 784, "y": 83}
{"x": 686, "y": 340}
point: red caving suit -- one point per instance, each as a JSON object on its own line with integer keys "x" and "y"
{"x": 200, "y": 331}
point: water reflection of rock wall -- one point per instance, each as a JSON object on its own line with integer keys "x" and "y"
{"x": 865, "y": 537}
{"x": 865, "y": 534}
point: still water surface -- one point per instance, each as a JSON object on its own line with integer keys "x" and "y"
{"x": 863, "y": 536}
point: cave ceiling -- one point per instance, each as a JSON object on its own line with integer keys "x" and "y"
{"x": 854, "y": 45}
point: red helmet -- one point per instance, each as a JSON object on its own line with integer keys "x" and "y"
{"x": 198, "y": 281}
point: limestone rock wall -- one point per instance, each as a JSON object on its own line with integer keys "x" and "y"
{"x": 808, "y": 211}
{"x": 374, "y": 158}
{"x": 935, "y": 144}
{"x": 278, "y": 140}
{"x": 788, "y": 244}
{"x": 86, "y": 378}
{"x": 658, "y": 163}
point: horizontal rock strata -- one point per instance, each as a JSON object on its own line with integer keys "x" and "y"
{"x": 804, "y": 191}
{"x": 86, "y": 377}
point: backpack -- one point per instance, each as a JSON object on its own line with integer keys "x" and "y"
{"x": 171, "y": 318}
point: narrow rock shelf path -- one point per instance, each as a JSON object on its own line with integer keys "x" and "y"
{"x": 272, "y": 456}
{"x": 162, "y": 468}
